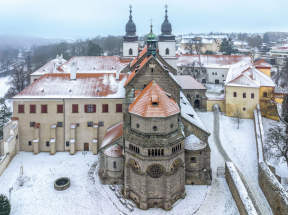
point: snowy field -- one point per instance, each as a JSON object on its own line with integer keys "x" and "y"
{"x": 281, "y": 168}
{"x": 86, "y": 195}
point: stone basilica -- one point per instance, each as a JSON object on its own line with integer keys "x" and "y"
{"x": 161, "y": 145}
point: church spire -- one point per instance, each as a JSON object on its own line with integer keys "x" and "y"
{"x": 151, "y": 42}
{"x": 166, "y": 28}
{"x": 130, "y": 29}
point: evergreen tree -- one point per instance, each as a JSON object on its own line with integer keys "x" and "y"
{"x": 5, "y": 206}
{"x": 285, "y": 108}
{"x": 266, "y": 38}
{"x": 94, "y": 49}
{"x": 5, "y": 115}
{"x": 227, "y": 47}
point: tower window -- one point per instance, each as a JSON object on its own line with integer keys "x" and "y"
{"x": 130, "y": 51}
{"x": 114, "y": 165}
{"x": 167, "y": 51}
{"x": 193, "y": 160}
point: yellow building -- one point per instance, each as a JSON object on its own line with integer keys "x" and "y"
{"x": 263, "y": 66}
{"x": 210, "y": 44}
{"x": 246, "y": 87}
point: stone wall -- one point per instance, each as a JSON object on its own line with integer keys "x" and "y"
{"x": 275, "y": 194}
{"x": 191, "y": 96}
{"x": 238, "y": 190}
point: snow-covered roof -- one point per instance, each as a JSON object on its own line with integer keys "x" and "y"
{"x": 113, "y": 133}
{"x": 262, "y": 64}
{"x": 194, "y": 143}
{"x": 214, "y": 61}
{"x": 188, "y": 82}
{"x": 48, "y": 67}
{"x": 215, "y": 36}
{"x": 280, "y": 90}
{"x": 95, "y": 64}
{"x": 188, "y": 113}
{"x": 244, "y": 75}
{"x": 91, "y": 85}
{"x": 113, "y": 151}
{"x": 53, "y": 140}
{"x": 203, "y": 40}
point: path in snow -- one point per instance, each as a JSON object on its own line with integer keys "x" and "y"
{"x": 248, "y": 165}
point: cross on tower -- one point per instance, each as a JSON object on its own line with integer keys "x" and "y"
{"x": 130, "y": 6}
{"x": 166, "y": 6}
{"x": 151, "y": 20}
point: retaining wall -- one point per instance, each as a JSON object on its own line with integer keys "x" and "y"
{"x": 238, "y": 190}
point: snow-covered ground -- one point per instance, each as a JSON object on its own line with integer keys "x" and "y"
{"x": 240, "y": 146}
{"x": 215, "y": 91}
{"x": 86, "y": 195}
{"x": 281, "y": 168}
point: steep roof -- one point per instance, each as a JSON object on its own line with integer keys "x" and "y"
{"x": 114, "y": 151}
{"x": 243, "y": 75}
{"x": 143, "y": 106}
{"x": 113, "y": 133}
{"x": 140, "y": 55}
{"x": 93, "y": 64}
{"x": 219, "y": 61}
{"x": 262, "y": 64}
{"x": 194, "y": 143}
{"x": 188, "y": 82}
{"x": 91, "y": 85}
{"x": 188, "y": 113}
{"x": 134, "y": 71}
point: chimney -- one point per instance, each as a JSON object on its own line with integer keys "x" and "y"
{"x": 253, "y": 73}
{"x": 60, "y": 59}
{"x": 117, "y": 75}
{"x": 73, "y": 71}
{"x": 54, "y": 68}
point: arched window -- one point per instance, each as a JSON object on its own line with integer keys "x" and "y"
{"x": 114, "y": 165}
{"x": 148, "y": 152}
{"x": 152, "y": 152}
{"x": 158, "y": 152}
{"x": 167, "y": 51}
{"x": 162, "y": 152}
{"x": 130, "y": 51}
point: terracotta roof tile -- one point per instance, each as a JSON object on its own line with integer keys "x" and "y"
{"x": 140, "y": 55}
{"x": 113, "y": 133}
{"x": 262, "y": 64}
{"x": 113, "y": 151}
{"x": 134, "y": 71}
{"x": 93, "y": 64}
{"x": 87, "y": 85}
{"x": 143, "y": 106}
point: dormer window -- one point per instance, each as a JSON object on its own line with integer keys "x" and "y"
{"x": 154, "y": 103}
{"x": 155, "y": 100}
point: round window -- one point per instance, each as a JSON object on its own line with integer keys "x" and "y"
{"x": 171, "y": 126}
{"x": 155, "y": 128}
{"x": 155, "y": 171}
{"x": 137, "y": 125}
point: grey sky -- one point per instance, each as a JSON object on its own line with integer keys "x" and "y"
{"x": 89, "y": 18}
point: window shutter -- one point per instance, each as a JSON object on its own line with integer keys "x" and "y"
{"x": 20, "y": 108}
{"x": 86, "y": 108}
{"x": 59, "y": 108}
{"x": 94, "y": 108}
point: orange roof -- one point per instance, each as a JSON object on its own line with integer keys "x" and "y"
{"x": 137, "y": 92}
{"x": 113, "y": 133}
{"x": 113, "y": 151}
{"x": 140, "y": 55}
{"x": 86, "y": 85}
{"x": 262, "y": 64}
{"x": 133, "y": 73}
{"x": 143, "y": 106}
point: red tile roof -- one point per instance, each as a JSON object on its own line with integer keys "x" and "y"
{"x": 113, "y": 133}
{"x": 262, "y": 64}
{"x": 211, "y": 60}
{"x": 113, "y": 151}
{"x": 143, "y": 106}
{"x": 133, "y": 73}
{"x": 140, "y": 55}
{"x": 87, "y": 85}
{"x": 188, "y": 82}
{"x": 91, "y": 64}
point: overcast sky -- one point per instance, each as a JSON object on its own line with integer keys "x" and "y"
{"x": 89, "y": 18}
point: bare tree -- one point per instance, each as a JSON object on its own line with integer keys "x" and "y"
{"x": 18, "y": 81}
{"x": 281, "y": 72}
{"x": 22, "y": 179}
{"x": 194, "y": 44}
{"x": 276, "y": 146}
{"x": 237, "y": 117}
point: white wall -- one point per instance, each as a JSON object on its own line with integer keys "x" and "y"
{"x": 220, "y": 72}
{"x": 171, "y": 45}
{"x": 127, "y": 46}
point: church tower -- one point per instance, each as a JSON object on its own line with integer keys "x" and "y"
{"x": 130, "y": 44}
{"x": 167, "y": 43}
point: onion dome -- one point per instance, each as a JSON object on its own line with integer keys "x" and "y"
{"x": 130, "y": 29}
{"x": 151, "y": 41}
{"x": 166, "y": 29}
